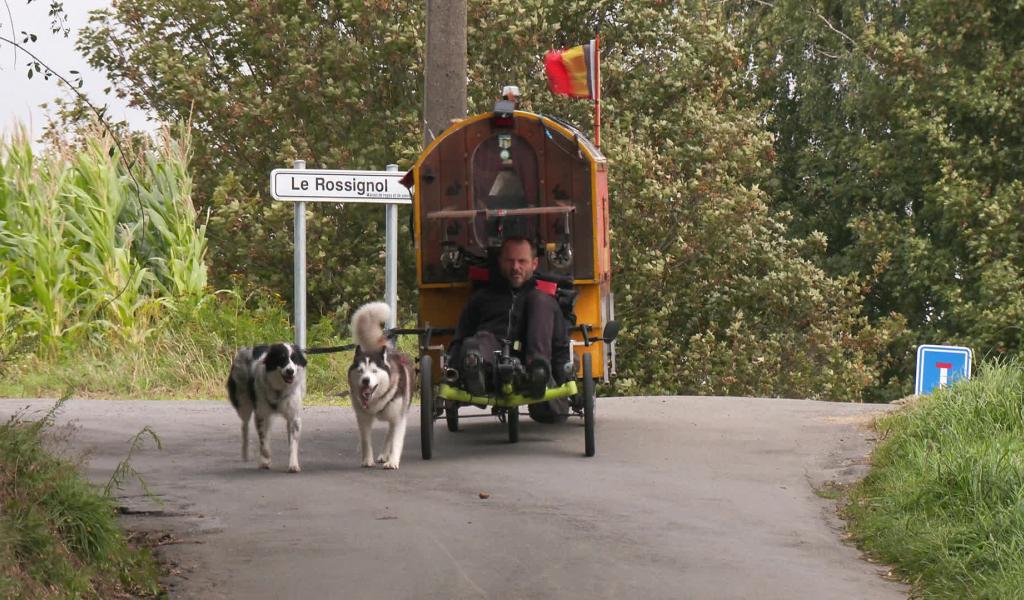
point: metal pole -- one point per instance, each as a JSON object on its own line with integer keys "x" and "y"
{"x": 391, "y": 257}
{"x": 300, "y": 267}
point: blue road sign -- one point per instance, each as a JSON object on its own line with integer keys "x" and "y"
{"x": 938, "y": 366}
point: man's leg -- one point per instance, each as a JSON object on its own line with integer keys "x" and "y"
{"x": 476, "y": 360}
{"x": 544, "y": 325}
{"x": 542, "y": 315}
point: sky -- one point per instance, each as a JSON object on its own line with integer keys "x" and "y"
{"x": 20, "y": 96}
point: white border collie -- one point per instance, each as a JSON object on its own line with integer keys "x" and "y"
{"x": 269, "y": 380}
{"x": 381, "y": 379}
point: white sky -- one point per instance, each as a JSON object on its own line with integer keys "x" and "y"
{"x": 20, "y": 96}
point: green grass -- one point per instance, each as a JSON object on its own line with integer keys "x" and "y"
{"x": 59, "y": 537}
{"x": 944, "y": 502}
{"x": 185, "y": 356}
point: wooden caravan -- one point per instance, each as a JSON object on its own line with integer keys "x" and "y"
{"x": 511, "y": 173}
{"x": 520, "y": 171}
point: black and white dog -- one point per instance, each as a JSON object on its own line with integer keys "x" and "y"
{"x": 381, "y": 379}
{"x": 269, "y": 380}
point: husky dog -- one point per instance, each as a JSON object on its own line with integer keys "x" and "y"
{"x": 381, "y": 379}
{"x": 269, "y": 380}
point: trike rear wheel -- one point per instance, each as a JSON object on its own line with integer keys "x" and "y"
{"x": 426, "y": 406}
{"x": 588, "y": 406}
{"x": 451, "y": 415}
{"x": 513, "y": 424}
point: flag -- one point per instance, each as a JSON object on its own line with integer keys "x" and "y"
{"x": 574, "y": 71}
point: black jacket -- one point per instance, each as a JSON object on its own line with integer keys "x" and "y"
{"x": 502, "y": 311}
{"x": 497, "y": 308}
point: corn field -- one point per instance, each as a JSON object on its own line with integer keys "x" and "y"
{"x": 89, "y": 249}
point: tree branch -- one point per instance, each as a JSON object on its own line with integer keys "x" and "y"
{"x": 832, "y": 27}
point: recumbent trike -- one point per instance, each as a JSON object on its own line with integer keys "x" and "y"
{"x": 488, "y": 177}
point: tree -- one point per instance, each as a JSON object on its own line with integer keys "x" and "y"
{"x": 706, "y": 274}
{"x": 899, "y": 133}
{"x": 262, "y": 84}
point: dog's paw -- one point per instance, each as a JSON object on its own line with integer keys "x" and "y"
{"x": 367, "y": 464}
{"x": 293, "y": 468}
{"x": 391, "y": 466}
{"x": 383, "y": 458}
{"x": 265, "y": 465}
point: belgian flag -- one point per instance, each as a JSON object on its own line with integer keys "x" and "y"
{"x": 575, "y": 71}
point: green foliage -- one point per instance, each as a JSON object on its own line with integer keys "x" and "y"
{"x": 944, "y": 501}
{"x": 899, "y": 136}
{"x": 262, "y": 84}
{"x": 87, "y": 249}
{"x": 207, "y": 335}
{"x": 36, "y": 262}
{"x": 125, "y": 471}
{"x": 174, "y": 243}
{"x": 60, "y": 537}
{"x": 703, "y": 270}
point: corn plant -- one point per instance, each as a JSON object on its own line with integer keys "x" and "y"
{"x": 121, "y": 293}
{"x": 89, "y": 247}
{"x": 179, "y": 243}
{"x": 38, "y": 262}
{"x": 9, "y": 336}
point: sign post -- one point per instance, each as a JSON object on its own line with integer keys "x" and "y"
{"x": 300, "y": 267}
{"x": 301, "y": 185}
{"x": 939, "y": 366}
{"x": 391, "y": 256}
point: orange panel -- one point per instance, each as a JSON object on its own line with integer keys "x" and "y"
{"x": 601, "y": 242}
{"x": 441, "y": 306}
{"x": 588, "y": 311}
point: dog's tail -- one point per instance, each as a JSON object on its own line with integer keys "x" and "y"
{"x": 367, "y": 326}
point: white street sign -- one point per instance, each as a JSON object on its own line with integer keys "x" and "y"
{"x": 300, "y": 185}
{"x": 322, "y": 185}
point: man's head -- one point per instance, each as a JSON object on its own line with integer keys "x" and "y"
{"x": 518, "y": 261}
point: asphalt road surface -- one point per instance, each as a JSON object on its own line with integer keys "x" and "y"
{"x": 687, "y": 497}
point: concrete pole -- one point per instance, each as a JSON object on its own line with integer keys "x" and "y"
{"x": 300, "y": 267}
{"x": 391, "y": 257}
{"x": 444, "y": 72}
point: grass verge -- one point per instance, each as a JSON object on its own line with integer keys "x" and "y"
{"x": 944, "y": 502}
{"x": 185, "y": 356}
{"x": 59, "y": 537}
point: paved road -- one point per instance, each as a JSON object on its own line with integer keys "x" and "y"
{"x": 687, "y": 497}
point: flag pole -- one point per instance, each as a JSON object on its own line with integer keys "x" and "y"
{"x": 597, "y": 90}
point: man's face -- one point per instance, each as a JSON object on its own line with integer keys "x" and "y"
{"x": 517, "y": 262}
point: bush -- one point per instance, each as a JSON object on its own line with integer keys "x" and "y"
{"x": 944, "y": 501}
{"x": 59, "y": 537}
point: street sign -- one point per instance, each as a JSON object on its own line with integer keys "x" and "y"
{"x": 300, "y": 185}
{"x": 322, "y": 185}
{"x": 938, "y": 366}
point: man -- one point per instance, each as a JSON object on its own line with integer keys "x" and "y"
{"x": 511, "y": 308}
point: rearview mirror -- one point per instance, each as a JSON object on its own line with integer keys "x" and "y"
{"x": 611, "y": 331}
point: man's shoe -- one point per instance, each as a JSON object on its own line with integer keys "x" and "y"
{"x": 537, "y": 376}
{"x": 473, "y": 373}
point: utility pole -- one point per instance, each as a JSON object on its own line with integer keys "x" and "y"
{"x": 444, "y": 86}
